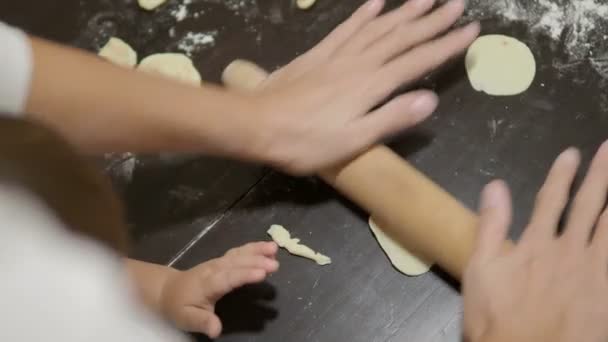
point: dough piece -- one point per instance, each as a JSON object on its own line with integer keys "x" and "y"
{"x": 282, "y": 237}
{"x": 403, "y": 260}
{"x": 119, "y": 52}
{"x": 305, "y": 4}
{"x": 173, "y": 65}
{"x": 150, "y": 4}
{"x": 500, "y": 65}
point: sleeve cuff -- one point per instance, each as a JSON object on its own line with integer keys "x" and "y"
{"x": 16, "y": 66}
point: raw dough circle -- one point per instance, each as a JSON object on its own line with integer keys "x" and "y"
{"x": 403, "y": 260}
{"x": 500, "y": 65}
{"x": 173, "y": 65}
{"x": 305, "y": 4}
{"x": 119, "y": 52}
{"x": 150, "y": 4}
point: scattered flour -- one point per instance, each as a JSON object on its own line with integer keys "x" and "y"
{"x": 577, "y": 25}
{"x": 181, "y": 11}
{"x": 194, "y": 41}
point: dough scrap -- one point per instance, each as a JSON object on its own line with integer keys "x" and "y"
{"x": 401, "y": 259}
{"x": 150, "y": 4}
{"x": 282, "y": 237}
{"x": 119, "y": 52}
{"x": 500, "y": 65}
{"x": 173, "y": 65}
{"x": 305, "y": 4}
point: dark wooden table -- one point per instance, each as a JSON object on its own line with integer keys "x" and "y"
{"x": 187, "y": 210}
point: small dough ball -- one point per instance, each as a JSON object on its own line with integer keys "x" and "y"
{"x": 150, "y": 4}
{"x": 173, "y": 65}
{"x": 403, "y": 260}
{"x": 119, "y": 52}
{"x": 305, "y": 4}
{"x": 500, "y": 65}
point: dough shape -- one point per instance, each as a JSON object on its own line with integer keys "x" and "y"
{"x": 500, "y": 65}
{"x": 173, "y": 65}
{"x": 282, "y": 237}
{"x": 150, "y": 4}
{"x": 305, "y": 4}
{"x": 119, "y": 53}
{"x": 403, "y": 260}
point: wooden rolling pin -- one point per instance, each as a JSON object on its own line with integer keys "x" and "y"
{"x": 412, "y": 209}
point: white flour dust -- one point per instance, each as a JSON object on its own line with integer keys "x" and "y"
{"x": 193, "y": 42}
{"x": 580, "y": 26}
{"x": 182, "y": 11}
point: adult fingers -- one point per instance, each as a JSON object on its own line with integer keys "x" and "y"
{"x": 421, "y": 60}
{"x": 382, "y": 26}
{"x": 589, "y": 201}
{"x": 599, "y": 244}
{"x": 495, "y": 218}
{"x": 552, "y": 199}
{"x": 196, "y": 320}
{"x": 397, "y": 115}
{"x": 345, "y": 31}
{"x": 411, "y": 34}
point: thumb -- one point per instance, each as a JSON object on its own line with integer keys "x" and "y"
{"x": 197, "y": 320}
{"x": 494, "y": 222}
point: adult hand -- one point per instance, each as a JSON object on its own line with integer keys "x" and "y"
{"x": 316, "y": 110}
{"x": 549, "y": 287}
{"x": 188, "y": 298}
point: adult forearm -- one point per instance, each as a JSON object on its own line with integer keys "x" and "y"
{"x": 101, "y": 107}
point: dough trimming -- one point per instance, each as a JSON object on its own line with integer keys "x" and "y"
{"x": 283, "y": 238}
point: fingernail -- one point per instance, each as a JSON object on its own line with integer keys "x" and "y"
{"x": 473, "y": 28}
{"x": 571, "y": 155}
{"x": 490, "y": 196}
{"x": 424, "y": 105}
{"x": 374, "y": 5}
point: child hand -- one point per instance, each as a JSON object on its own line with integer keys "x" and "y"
{"x": 188, "y": 298}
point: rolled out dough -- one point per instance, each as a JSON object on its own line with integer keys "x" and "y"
{"x": 403, "y": 260}
{"x": 500, "y": 65}
{"x": 150, "y": 4}
{"x": 305, "y": 4}
{"x": 282, "y": 237}
{"x": 119, "y": 52}
{"x": 173, "y": 65}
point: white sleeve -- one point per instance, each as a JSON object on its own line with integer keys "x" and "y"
{"x": 56, "y": 286}
{"x": 16, "y": 65}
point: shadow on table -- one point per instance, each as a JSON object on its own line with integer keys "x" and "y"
{"x": 246, "y": 310}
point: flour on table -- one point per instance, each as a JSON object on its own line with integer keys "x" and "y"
{"x": 283, "y": 238}
{"x": 403, "y": 260}
{"x": 172, "y": 65}
{"x": 193, "y": 42}
{"x": 182, "y": 10}
{"x": 119, "y": 53}
{"x": 579, "y": 26}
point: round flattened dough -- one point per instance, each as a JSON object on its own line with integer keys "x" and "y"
{"x": 119, "y": 52}
{"x": 173, "y": 65}
{"x": 500, "y": 65}
{"x": 403, "y": 260}
{"x": 150, "y": 4}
